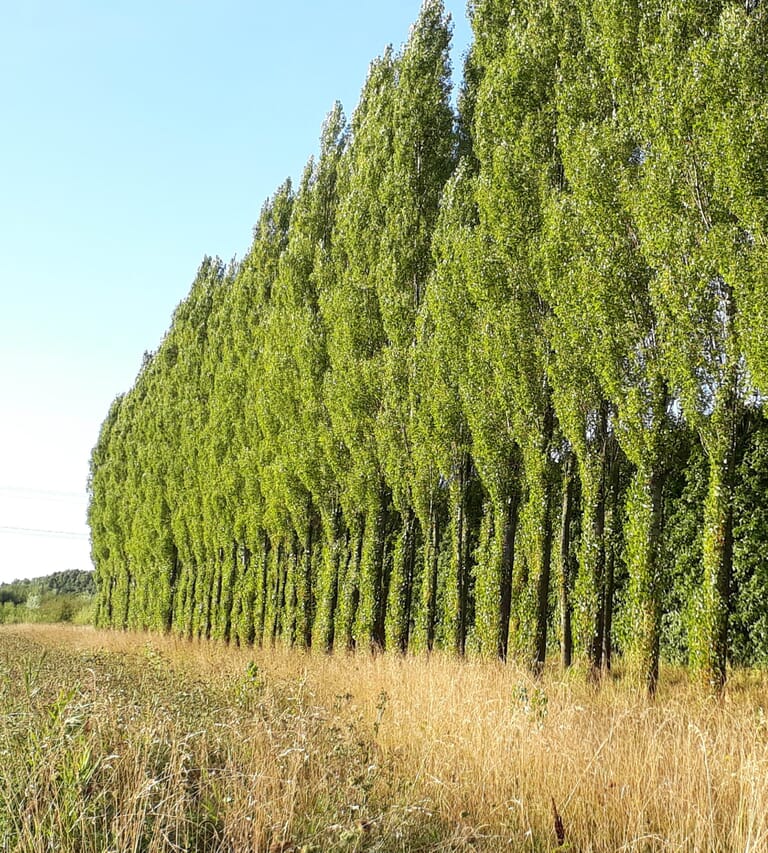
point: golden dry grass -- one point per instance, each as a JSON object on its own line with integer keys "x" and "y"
{"x": 129, "y": 742}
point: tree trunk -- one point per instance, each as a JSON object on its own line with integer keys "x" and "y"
{"x": 352, "y": 587}
{"x": 192, "y": 594}
{"x": 247, "y": 630}
{"x": 261, "y": 624}
{"x": 645, "y": 509}
{"x": 307, "y": 598}
{"x": 461, "y": 577}
{"x": 281, "y": 571}
{"x": 228, "y": 596}
{"x": 409, "y": 569}
{"x": 654, "y": 636}
{"x": 336, "y": 534}
{"x": 380, "y": 574}
{"x": 566, "y": 632}
{"x": 542, "y": 586}
{"x": 509, "y": 534}
{"x": 718, "y": 536}
{"x": 172, "y": 581}
{"x": 598, "y": 532}
{"x": 612, "y": 540}
{"x": 291, "y": 604}
{"x": 432, "y": 570}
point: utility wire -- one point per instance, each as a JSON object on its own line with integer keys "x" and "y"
{"x": 35, "y": 531}
{"x": 41, "y": 494}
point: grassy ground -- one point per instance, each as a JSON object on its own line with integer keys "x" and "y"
{"x": 119, "y": 742}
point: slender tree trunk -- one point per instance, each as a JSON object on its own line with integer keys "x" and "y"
{"x": 646, "y": 511}
{"x": 381, "y": 575}
{"x": 307, "y": 598}
{"x": 352, "y": 587}
{"x": 248, "y": 627}
{"x": 432, "y": 571}
{"x": 509, "y": 534}
{"x": 598, "y": 532}
{"x": 281, "y": 572}
{"x": 291, "y": 604}
{"x": 409, "y": 567}
{"x": 108, "y": 603}
{"x": 261, "y": 624}
{"x": 612, "y": 540}
{"x": 566, "y": 632}
{"x": 204, "y": 586}
{"x": 374, "y": 575}
{"x": 461, "y": 577}
{"x": 191, "y": 601}
{"x": 172, "y": 581}
{"x": 718, "y": 536}
{"x": 212, "y": 592}
{"x": 542, "y": 586}
{"x": 227, "y": 601}
{"x": 461, "y": 613}
{"x": 336, "y": 535}
{"x": 654, "y": 637}
{"x": 128, "y": 596}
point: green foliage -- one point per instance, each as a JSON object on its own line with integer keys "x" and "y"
{"x": 476, "y": 364}
{"x": 66, "y": 596}
{"x": 683, "y": 541}
{"x": 749, "y": 627}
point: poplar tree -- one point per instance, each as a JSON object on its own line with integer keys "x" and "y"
{"x": 269, "y": 522}
{"x": 307, "y": 264}
{"x": 689, "y": 235}
{"x": 353, "y": 387}
{"x": 422, "y": 159}
{"x": 444, "y": 444}
{"x": 519, "y": 160}
{"x": 294, "y": 364}
{"x": 609, "y": 386}
{"x": 103, "y": 491}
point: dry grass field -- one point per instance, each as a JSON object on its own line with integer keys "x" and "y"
{"x": 121, "y": 742}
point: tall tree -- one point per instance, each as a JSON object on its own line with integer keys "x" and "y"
{"x": 606, "y": 368}
{"x": 422, "y": 159}
{"x": 353, "y": 386}
{"x": 691, "y": 237}
{"x": 519, "y": 160}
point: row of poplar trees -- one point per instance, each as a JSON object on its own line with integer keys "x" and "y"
{"x": 489, "y": 378}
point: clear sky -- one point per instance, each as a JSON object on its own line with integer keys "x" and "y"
{"x": 136, "y": 137}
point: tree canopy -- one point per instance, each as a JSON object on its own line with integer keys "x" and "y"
{"x": 492, "y": 374}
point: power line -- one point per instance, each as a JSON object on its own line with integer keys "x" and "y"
{"x": 35, "y": 531}
{"x": 51, "y": 494}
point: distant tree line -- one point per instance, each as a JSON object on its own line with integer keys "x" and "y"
{"x": 68, "y": 582}
{"x": 58, "y": 597}
{"x": 490, "y": 379}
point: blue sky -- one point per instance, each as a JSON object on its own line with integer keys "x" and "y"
{"x": 136, "y": 138}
